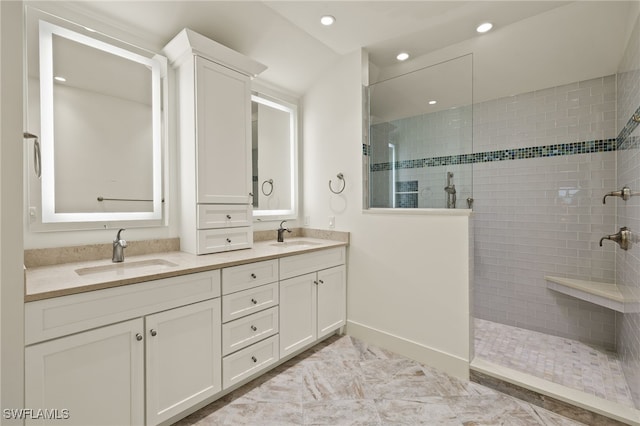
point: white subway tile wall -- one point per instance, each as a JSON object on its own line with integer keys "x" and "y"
{"x": 628, "y": 262}
{"x": 544, "y": 216}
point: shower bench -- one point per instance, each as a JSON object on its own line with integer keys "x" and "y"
{"x": 609, "y": 295}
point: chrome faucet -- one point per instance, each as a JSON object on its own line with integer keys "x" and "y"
{"x": 118, "y": 248}
{"x": 450, "y": 189}
{"x": 624, "y": 238}
{"x": 281, "y": 231}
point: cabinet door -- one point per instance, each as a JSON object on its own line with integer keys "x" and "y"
{"x": 223, "y": 134}
{"x": 183, "y": 358}
{"x": 297, "y": 313}
{"x": 332, "y": 298}
{"x": 97, "y": 375}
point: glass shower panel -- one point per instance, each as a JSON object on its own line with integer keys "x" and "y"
{"x": 420, "y": 138}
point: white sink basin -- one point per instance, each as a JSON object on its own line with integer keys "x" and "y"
{"x": 120, "y": 268}
{"x": 296, "y": 243}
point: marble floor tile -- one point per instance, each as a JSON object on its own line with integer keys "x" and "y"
{"x": 343, "y": 381}
{"x": 567, "y": 362}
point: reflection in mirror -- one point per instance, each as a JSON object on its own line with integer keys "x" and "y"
{"x": 274, "y": 154}
{"x": 419, "y": 135}
{"x": 100, "y": 129}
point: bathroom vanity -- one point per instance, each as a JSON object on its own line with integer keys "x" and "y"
{"x": 154, "y": 338}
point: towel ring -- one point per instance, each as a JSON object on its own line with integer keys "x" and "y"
{"x": 37, "y": 162}
{"x": 344, "y": 184}
{"x": 270, "y": 182}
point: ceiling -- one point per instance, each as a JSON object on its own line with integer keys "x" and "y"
{"x": 534, "y": 44}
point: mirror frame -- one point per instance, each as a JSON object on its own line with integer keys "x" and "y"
{"x": 49, "y": 215}
{"x": 292, "y": 109}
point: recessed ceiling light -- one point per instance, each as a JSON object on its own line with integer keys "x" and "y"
{"x": 58, "y": 78}
{"x": 483, "y": 28}
{"x": 433, "y": 102}
{"x": 327, "y": 20}
{"x": 402, "y": 56}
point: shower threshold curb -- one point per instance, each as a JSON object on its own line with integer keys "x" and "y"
{"x": 571, "y": 403}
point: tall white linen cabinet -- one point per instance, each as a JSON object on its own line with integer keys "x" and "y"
{"x": 214, "y": 120}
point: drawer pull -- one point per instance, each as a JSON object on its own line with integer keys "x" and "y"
{"x": 254, "y": 301}
{"x": 321, "y": 282}
{"x": 153, "y": 332}
{"x": 138, "y": 337}
{"x": 253, "y": 276}
{"x": 228, "y": 216}
{"x": 254, "y": 359}
{"x": 228, "y": 240}
{"x": 254, "y": 328}
{"x": 315, "y": 282}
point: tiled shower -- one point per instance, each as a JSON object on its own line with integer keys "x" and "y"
{"x": 544, "y": 215}
{"x": 538, "y": 169}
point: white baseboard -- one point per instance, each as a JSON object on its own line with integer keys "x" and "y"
{"x": 450, "y": 364}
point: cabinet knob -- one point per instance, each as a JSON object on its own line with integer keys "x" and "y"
{"x": 228, "y": 216}
{"x": 254, "y": 328}
{"x": 254, "y": 359}
{"x": 153, "y": 332}
{"x": 251, "y": 194}
{"x": 321, "y": 282}
{"x": 254, "y": 301}
{"x": 228, "y": 240}
{"x": 315, "y": 282}
{"x": 253, "y": 276}
{"x": 138, "y": 337}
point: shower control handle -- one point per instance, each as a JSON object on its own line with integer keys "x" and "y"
{"x": 625, "y": 193}
{"x": 623, "y": 237}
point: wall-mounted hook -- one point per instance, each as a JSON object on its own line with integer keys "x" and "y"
{"x": 344, "y": 184}
{"x": 270, "y": 183}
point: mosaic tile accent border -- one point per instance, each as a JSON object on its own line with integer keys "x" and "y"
{"x": 624, "y": 141}
{"x": 625, "y": 133}
{"x": 585, "y": 147}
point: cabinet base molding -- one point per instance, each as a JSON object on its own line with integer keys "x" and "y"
{"x": 448, "y": 363}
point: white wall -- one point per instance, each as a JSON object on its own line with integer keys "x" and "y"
{"x": 11, "y": 257}
{"x": 408, "y": 274}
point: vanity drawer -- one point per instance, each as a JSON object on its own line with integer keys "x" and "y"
{"x": 248, "y": 361}
{"x": 301, "y": 264}
{"x": 243, "y": 277}
{"x": 243, "y": 332}
{"x": 223, "y": 216}
{"x": 218, "y": 240}
{"x": 237, "y": 305}
{"x": 59, "y": 316}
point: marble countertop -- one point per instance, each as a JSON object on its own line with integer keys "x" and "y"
{"x": 70, "y": 278}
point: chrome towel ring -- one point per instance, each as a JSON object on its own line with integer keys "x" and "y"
{"x": 270, "y": 182}
{"x": 37, "y": 163}
{"x": 344, "y": 184}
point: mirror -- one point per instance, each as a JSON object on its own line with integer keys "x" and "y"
{"x": 100, "y": 128}
{"x": 274, "y": 138}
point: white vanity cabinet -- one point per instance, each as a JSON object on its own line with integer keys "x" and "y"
{"x": 182, "y": 358}
{"x": 106, "y": 355}
{"x": 250, "y": 316}
{"x": 312, "y": 297}
{"x": 214, "y": 110}
{"x": 97, "y": 376}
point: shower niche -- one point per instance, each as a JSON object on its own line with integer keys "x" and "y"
{"x": 418, "y": 137}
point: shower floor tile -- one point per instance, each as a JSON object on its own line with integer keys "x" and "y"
{"x": 567, "y": 362}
